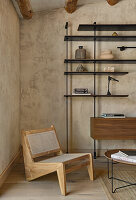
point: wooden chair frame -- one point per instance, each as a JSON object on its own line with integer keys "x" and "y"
{"x": 35, "y": 170}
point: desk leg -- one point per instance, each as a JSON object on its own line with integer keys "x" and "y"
{"x": 94, "y": 149}
{"x": 108, "y": 168}
{"x": 111, "y": 171}
{"x": 112, "y": 174}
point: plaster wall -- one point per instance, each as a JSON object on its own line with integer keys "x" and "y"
{"x": 9, "y": 83}
{"x": 43, "y": 80}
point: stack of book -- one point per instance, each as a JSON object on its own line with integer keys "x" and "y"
{"x": 128, "y": 156}
{"x": 81, "y": 91}
{"x": 112, "y": 115}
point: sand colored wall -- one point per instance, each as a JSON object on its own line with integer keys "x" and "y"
{"x": 9, "y": 83}
{"x": 42, "y": 72}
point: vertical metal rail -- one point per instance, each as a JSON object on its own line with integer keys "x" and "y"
{"x": 94, "y": 83}
{"x": 112, "y": 179}
{"x": 67, "y": 128}
{"x": 108, "y": 168}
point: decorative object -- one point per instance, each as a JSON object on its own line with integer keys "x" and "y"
{"x": 71, "y": 5}
{"x": 80, "y": 53}
{"x": 109, "y": 69}
{"x": 107, "y": 55}
{"x": 112, "y": 2}
{"x": 109, "y": 79}
{"x": 124, "y": 48}
{"x": 114, "y": 34}
{"x": 81, "y": 68}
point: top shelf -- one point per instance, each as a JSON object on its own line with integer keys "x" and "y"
{"x": 107, "y": 27}
{"x": 99, "y": 38}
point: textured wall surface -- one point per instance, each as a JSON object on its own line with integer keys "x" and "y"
{"x": 9, "y": 83}
{"x": 43, "y": 81}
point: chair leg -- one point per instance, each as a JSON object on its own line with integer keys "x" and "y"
{"x": 90, "y": 168}
{"x": 62, "y": 179}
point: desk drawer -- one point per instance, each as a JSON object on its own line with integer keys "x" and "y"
{"x": 113, "y": 129}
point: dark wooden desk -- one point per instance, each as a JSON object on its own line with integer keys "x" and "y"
{"x": 113, "y": 128}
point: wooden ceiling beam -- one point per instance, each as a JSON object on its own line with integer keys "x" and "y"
{"x": 71, "y": 6}
{"x": 112, "y": 2}
{"x": 25, "y": 8}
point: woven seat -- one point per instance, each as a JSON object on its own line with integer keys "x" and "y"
{"x": 38, "y": 144}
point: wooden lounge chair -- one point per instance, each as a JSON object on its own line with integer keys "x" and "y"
{"x": 44, "y": 144}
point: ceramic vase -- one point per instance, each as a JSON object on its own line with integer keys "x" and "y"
{"x": 80, "y": 53}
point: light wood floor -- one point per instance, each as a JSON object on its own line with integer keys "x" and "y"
{"x": 47, "y": 187}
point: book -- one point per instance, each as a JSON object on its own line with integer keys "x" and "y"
{"x": 112, "y": 115}
{"x": 81, "y": 94}
{"x": 81, "y": 91}
{"x": 124, "y": 157}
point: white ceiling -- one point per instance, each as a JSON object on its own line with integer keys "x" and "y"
{"x": 41, "y": 5}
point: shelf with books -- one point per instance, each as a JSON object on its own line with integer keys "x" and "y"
{"x": 99, "y": 95}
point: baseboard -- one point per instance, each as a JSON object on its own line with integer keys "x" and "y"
{"x": 8, "y": 169}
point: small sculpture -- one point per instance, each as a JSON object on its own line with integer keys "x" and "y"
{"x": 114, "y": 34}
{"x": 107, "y": 54}
{"x": 81, "y": 68}
{"x": 109, "y": 69}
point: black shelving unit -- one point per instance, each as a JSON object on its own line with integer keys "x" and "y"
{"x": 94, "y": 28}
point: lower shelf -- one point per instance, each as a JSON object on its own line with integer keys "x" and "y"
{"x": 94, "y": 73}
{"x": 117, "y": 61}
{"x": 100, "y": 95}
